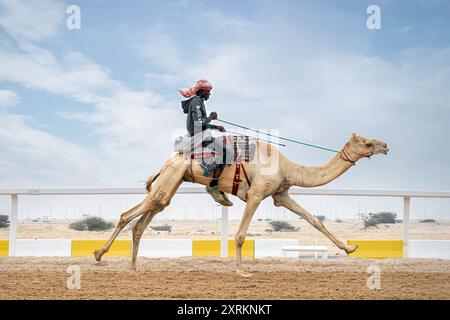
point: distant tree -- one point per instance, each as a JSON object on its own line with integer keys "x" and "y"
{"x": 164, "y": 227}
{"x": 4, "y": 222}
{"x": 428, "y": 221}
{"x": 385, "y": 217}
{"x": 374, "y": 219}
{"x": 91, "y": 224}
{"x": 281, "y": 226}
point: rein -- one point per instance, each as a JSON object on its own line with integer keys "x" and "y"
{"x": 278, "y": 137}
{"x": 345, "y": 153}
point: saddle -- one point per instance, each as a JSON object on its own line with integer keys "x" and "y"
{"x": 214, "y": 153}
{"x": 222, "y": 150}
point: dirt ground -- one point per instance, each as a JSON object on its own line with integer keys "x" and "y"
{"x": 210, "y": 229}
{"x": 214, "y": 278}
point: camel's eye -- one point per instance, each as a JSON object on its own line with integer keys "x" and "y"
{"x": 369, "y": 143}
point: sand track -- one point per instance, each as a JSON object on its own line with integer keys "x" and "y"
{"x": 214, "y": 278}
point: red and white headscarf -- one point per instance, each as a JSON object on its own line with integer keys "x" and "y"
{"x": 201, "y": 84}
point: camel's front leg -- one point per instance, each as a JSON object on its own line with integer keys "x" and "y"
{"x": 253, "y": 201}
{"x": 285, "y": 200}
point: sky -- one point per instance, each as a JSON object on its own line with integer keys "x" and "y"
{"x": 99, "y": 106}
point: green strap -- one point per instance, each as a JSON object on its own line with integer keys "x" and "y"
{"x": 282, "y": 138}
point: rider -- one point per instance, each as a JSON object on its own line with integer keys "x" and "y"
{"x": 197, "y": 121}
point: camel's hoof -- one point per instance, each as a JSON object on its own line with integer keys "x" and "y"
{"x": 244, "y": 274}
{"x": 352, "y": 248}
{"x": 98, "y": 255}
{"x": 133, "y": 267}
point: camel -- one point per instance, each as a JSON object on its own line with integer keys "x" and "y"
{"x": 259, "y": 186}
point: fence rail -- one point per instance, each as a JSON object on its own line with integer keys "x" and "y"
{"x": 14, "y": 193}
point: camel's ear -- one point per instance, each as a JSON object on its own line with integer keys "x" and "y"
{"x": 354, "y": 136}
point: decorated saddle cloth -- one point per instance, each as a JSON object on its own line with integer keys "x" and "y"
{"x": 222, "y": 150}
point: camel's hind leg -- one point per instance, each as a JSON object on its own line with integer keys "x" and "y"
{"x": 125, "y": 218}
{"x": 283, "y": 199}
{"x": 159, "y": 198}
{"x": 138, "y": 230}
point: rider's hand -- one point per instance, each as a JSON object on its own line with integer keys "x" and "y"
{"x": 220, "y": 128}
{"x": 213, "y": 115}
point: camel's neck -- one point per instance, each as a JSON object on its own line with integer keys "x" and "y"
{"x": 303, "y": 176}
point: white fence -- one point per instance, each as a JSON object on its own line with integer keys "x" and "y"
{"x": 406, "y": 195}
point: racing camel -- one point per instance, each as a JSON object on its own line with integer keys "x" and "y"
{"x": 269, "y": 174}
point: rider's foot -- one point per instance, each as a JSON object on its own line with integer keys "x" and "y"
{"x": 219, "y": 196}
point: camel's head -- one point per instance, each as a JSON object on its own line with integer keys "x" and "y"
{"x": 361, "y": 147}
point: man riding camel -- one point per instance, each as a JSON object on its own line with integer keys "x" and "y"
{"x": 198, "y": 122}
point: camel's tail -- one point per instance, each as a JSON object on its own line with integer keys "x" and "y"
{"x": 150, "y": 180}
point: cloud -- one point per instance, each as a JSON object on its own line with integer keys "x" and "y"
{"x": 310, "y": 90}
{"x": 31, "y": 156}
{"x": 321, "y": 96}
{"x": 432, "y": 3}
{"x": 8, "y": 98}
{"x": 216, "y": 20}
{"x": 32, "y": 20}
{"x": 161, "y": 50}
{"x": 75, "y": 75}
{"x": 129, "y": 124}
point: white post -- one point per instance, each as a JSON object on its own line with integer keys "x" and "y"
{"x": 224, "y": 234}
{"x": 406, "y": 207}
{"x": 13, "y": 225}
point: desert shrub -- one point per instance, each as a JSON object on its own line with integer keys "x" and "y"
{"x": 91, "y": 224}
{"x": 281, "y": 226}
{"x": 373, "y": 219}
{"x": 165, "y": 227}
{"x": 78, "y": 225}
{"x": 385, "y": 217}
{"x": 97, "y": 223}
{"x": 4, "y": 222}
{"x": 338, "y": 220}
{"x": 427, "y": 220}
{"x": 368, "y": 221}
{"x": 321, "y": 217}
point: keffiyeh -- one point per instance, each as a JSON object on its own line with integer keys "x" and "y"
{"x": 201, "y": 84}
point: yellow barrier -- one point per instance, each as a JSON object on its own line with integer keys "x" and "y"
{"x": 377, "y": 249}
{"x": 248, "y": 249}
{"x": 4, "y": 248}
{"x": 120, "y": 248}
{"x": 206, "y": 248}
{"x": 211, "y": 248}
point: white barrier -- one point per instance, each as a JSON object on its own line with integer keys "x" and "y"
{"x": 43, "y": 247}
{"x": 405, "y": 194}
{"x": 430, "y": 249}
{"x": 172, "y": 248}
{"x": 273, "y": 248}
{"x": 165, "y": 248}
